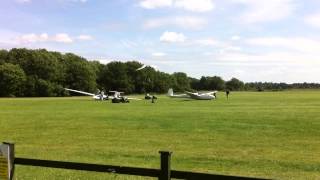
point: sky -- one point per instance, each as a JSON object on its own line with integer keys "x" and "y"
{"x": 252, "y": 40}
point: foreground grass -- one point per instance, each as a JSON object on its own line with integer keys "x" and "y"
{"x": 269, "y": 134}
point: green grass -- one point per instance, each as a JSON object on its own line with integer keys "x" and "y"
{"x": 268, "y": 134}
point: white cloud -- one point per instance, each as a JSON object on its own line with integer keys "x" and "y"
{"x": 267, "y": 60}
{"x": 195, "y": 5}
{"x": 187, "y": 22}
{"x": 152, "y": 4}
{"x": 8, "y": 39}
{"x": 288, "y": 59}
{"x": 204, "y": 43}
{"x": 172, "y": 37}
{"x": 222, "y": 46}
{"x": 44, "y": 37}
{"x": 300, "y": 44}
{"x": 208, "y": 42}
{"x": 266, "y": 11}
{"x": 274, "y": 66}
{"x": 63, "y": 38}
{"x": 158, "y": 54}
{"x": 230, "y": 48}
{"x": 313, "y": 20}
{"x": 32, "y": 38}
{"x": 84, "y": 37}
{"x": 235, "y": 38}
{"x": 188, "y": 5}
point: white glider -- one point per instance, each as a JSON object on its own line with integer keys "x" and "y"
{"x": 197, "y": 96}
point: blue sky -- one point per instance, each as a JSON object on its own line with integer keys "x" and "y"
{"x": 274, "y": 40}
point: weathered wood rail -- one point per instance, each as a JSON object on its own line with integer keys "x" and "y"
{"x": 164, "y": 173}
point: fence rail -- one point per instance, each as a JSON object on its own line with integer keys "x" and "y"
{"x": 88, "y": 167}
{"x": 123, "y": 170}
{"x": 164, "y": 173}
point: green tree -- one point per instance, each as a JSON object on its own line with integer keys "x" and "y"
{"x": 30, "y": 86}
{"x": 36, "y": 62}
{"x": 204, "y": 83}
{"x": 235, "y": 84}
{"x": 136, "y": 79}
{"x": 163, "y": 82}
{"x": 194, "y": 83}
{"x": 114, "y": 77}
{"x": 97, "y": 68}
{"x": 148, "y": 78}
{"x": 39, "y": 65}
{"x": 79, "y": 73}
{"x": 12, "y": 79}
{"x": 181, "y": 81}
{"x": 3, "y": 56}
{"x": 216, "y": 83}
{"x": 45, "y": 88}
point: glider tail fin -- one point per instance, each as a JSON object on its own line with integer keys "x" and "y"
{"x": 170, "y": 92}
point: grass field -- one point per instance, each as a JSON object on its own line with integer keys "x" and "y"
{"x": 268, "y": 134}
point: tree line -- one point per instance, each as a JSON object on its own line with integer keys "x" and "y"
{"x": 36, "y": 73}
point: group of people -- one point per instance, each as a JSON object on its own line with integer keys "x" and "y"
{"x": 152, "y": 97}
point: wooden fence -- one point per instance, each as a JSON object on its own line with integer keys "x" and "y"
{"x": 164, "y": 173}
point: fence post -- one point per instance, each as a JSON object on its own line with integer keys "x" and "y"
{"x": 165, "y": 171}
{"x": 10, "y": 159}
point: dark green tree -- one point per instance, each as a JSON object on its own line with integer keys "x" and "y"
{"x": 114, "y": 77}
{"x": 79, "y": 73}
{"x": 235, "y": 85}
{"x": 216, "y": 83}
{"x": 12, "y": 79}
{"x": 149, "y": 76}
{"x": 194, "y": 83}
{"x": 3, "y": 56}
{"x": 98, "y": 68}
{"x": 181, "y": 82}
{"x": 45, "y": 88}
{"x": 163, "y": 82}
{"x": 204, "y": 83}
{"x": 36, "y": 62}
{"x": 136, "y": 79}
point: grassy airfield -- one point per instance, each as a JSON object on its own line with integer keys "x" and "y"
{"x": 268, "y": 134}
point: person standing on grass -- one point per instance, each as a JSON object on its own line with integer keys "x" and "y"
{"x": 227, "y": 93}
{"x": 101, "y": 95}
{"x": 153, "y": 99}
